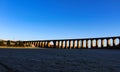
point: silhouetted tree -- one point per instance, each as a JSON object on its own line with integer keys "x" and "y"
{"x": 21, "y": 43}
{"x": 1, "y": 43}
{"x": 8, "y": 43}
{"x": 16, "y": 44}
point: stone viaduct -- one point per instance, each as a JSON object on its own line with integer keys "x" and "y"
{"x": 102, "y": 42}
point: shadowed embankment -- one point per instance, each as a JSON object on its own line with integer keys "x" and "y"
{"x": 60, "y": 60}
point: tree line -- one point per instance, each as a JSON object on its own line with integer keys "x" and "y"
{"x": 13, "y": 43}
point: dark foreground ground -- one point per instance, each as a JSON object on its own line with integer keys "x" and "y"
{"x": 59, "y": 60}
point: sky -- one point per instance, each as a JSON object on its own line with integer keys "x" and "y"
{"x": 58, "y": 19}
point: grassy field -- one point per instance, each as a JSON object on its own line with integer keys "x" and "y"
{"x": 59, "y": 60}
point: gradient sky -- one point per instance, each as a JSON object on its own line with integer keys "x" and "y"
{"x": 58, "y": 19}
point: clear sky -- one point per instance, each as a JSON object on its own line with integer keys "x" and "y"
{"x": 58, "y": 19}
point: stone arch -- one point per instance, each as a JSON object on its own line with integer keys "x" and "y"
{"x": 67, "y": 43}
{"x": 99, "y": 43}
{"x": 35, "y": 44}
{"x": 78, "y": 43}
{"x": 111, "y": 42}
{"x": 93, "y": 43}
{"x": 75, "y": 43}
{"x": 70, "y": 44}
{"x": 117, "y": 41}
{"x": 81, "y": 43}
{"x": 51, "y": 44}
{"x": 89, "y": 43}
{"x": 63, "y": 46}
{"x": 60, "y": 44}
{"x": 105, "y": 42}
{"x": 42, "y": 44}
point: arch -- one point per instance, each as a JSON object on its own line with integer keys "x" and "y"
{"x": 66, "y": 44}
{"x": 63, "y": 44}
{"x": 70, "y": 44}
{"x": 84, "y": 43}
{"x": 99, "y": 43}
{"x": 45, "y": 44}
{"x": 93, "y": 43}
{"x": 60, "y": 44}
{"x": 111, "y": 42}
{"x": 81, "y": 43}
{"x": 105, "y": 42}
{"x": 89, "y": 43}
{"x": 117, "y": 41}
{"x": 42, "y": 44}
{"x": 51, "y": 44}
{"x": 74, "y": 43}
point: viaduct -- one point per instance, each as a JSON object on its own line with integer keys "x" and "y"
{"x": 102, "y": 42}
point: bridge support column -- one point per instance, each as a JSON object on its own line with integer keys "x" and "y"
{"x": 119, "y": 41}
{"x": 92, "y": 43}
{"x": 54, "y": 44}
{"x": 38, "y": 44}
{"x": 70, "y": 44}
{"x": 82, "y": 43}
{"x": 102, "y": 43}
{"x": 58, "y": 44}
{"x": 108, "y": 42}
{"x": 66, "y": 44}
{"x": 42, "y": 44}
{"x": 78, "y": 43}
{"x": 97, "y": 43}
{"x": 87, "y": 43}
{"x": 62, "y": 46}
{"x": 34, "y": 44}
{"x": 74, "y": 44}
{"x": 114, "y": 42}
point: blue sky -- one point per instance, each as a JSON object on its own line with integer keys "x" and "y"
{"x": 58, "y": 19}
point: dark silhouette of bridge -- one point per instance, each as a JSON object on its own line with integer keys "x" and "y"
{"x": 101, "y": 42}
